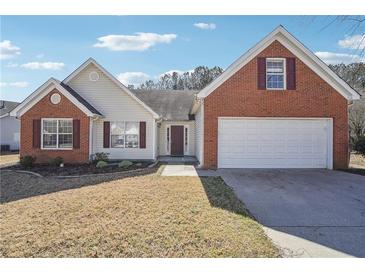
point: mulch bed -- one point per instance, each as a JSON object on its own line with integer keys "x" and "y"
{"x": 81, "y": 169}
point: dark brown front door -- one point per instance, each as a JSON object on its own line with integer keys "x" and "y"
{"x": 177, "y": 140}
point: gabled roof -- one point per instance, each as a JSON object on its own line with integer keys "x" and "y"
{"x": 112, "y": 78}
{"x": 47, "y": 87}
{"x": 6, "y": 107}
{"x": 169, "y": 104}
{"x": 299, "y": 50}
{"x": 80, "y": 99}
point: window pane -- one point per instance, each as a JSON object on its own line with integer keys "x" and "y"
{"x": 117, "y": 128}
{"x": 117, "y": 140}
{"x": 275, "y": 66}
{"x": 65, "y": 140}
{"x": 131, "y": 140}
{"x": 131, "y": 128}
{"x": 49, "y": 140}
{"x": 65, "y": 126}
{"x": 49, "y": 126}
{"x": 275, "y": 81}
{"x": 186, "y": 136}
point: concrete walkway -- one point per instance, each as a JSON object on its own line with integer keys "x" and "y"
{"x": 175, "y": 169}
{"x": 179, "y": 170}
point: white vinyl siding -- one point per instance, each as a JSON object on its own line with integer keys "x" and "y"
{"x": 163, "y": 145}
{"x": 115, "y": 105}
{"x": 10, "y": 132}
{"x": 274, "y": 143}
{"x": 199, "y": 131}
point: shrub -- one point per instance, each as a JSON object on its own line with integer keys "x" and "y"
{"x": 56, "y": 161}
{"x": 125, "y": 164}
{"x": 100, "y": 156}
{"x": 101, "y": 164}
{"x": 27, "y": 161}
{"x": 360, "y": 145}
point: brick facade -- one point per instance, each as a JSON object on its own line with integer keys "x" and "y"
{"x": 45, "y": 109}
{"x": 240, "y": 97}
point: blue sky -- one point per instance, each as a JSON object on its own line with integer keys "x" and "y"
{"x": 35, "y": 48}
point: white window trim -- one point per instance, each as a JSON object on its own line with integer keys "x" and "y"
{"x": 284, "y": 72}
{"x": 55, "y": 148}
{"x": 110, "y": 135}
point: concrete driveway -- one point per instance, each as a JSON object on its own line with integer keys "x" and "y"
{"x": 308, "y": 213}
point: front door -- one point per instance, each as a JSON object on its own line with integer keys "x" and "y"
{"x": 177, "y": 140}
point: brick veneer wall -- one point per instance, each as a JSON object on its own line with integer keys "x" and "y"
{"x": 45, "y": 109}
{"x": 239, "y": 96}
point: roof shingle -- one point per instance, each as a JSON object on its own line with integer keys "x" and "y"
{"x": 169, "y": 104}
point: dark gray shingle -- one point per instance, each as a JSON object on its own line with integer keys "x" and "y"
{"x": 7, "y": 106}
{"x": 169, "y": 104}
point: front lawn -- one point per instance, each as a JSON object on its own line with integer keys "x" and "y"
{"x": 9, "y": 158}
{"x": 145, "y": 216}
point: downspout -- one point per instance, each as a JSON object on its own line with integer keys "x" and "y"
{"x": 91, "y": 150}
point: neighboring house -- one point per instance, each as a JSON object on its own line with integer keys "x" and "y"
{"x": 9, "y": 126}
{"x": 277, "y": 106}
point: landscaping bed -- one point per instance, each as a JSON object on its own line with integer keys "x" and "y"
{"x": 79, "y": 169}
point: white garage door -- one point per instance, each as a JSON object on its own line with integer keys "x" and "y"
{"x": 274, "y": 143}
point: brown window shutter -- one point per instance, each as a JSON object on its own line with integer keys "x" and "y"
{"x": 261, "y": 73}
{"x": 106, "y": 134}
{"x": 142, "y": 134}
{"x": 76, "y": 133}
{"x": 37, "y": 133}
{"x": 290, "y": 74}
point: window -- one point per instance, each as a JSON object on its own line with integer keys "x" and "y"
{"x": 168, "y": 139}
{"x": 275, "y": 73}
{"x": 186, "y": 139}
{"x": 124, "y": 134}
{"x": 57, "y": 133}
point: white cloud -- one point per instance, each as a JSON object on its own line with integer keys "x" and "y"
{"x": 44, "y": 65}
{"x": 19, "y": 84}
{"x": 206, "y": 26}
{"x": 11, "y": 65}
{"x": 139, "y": 42}
{"x": 338, "y": 58}
{"x": 133, "y": 78}
{"x": 39, "y": 56}
{"x": 22, "y": 84}
{"x": 353, "y": 42}
{"x": 7, "y": 50}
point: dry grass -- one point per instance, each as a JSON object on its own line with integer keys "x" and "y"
{"x": 8, "y": 159}
{"x": 146, "y": 216}
{"x": 357, "y": 160}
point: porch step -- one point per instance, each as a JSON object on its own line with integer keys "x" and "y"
{"x": 179, "y": 160}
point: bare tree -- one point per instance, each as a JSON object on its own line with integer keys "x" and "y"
{"x": 356, "y": 123}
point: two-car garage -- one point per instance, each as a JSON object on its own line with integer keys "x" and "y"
{"x": 274, "y": 142}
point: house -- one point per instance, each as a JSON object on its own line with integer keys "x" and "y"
{"x": 277, "y": 106}
{"x": 9, "y": 127}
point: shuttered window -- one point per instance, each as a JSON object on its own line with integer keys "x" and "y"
{"x": 57, "y": 133}
{"x": 275, "y": 73}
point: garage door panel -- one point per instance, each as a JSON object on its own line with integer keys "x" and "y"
{"x": 273, "y": 143}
